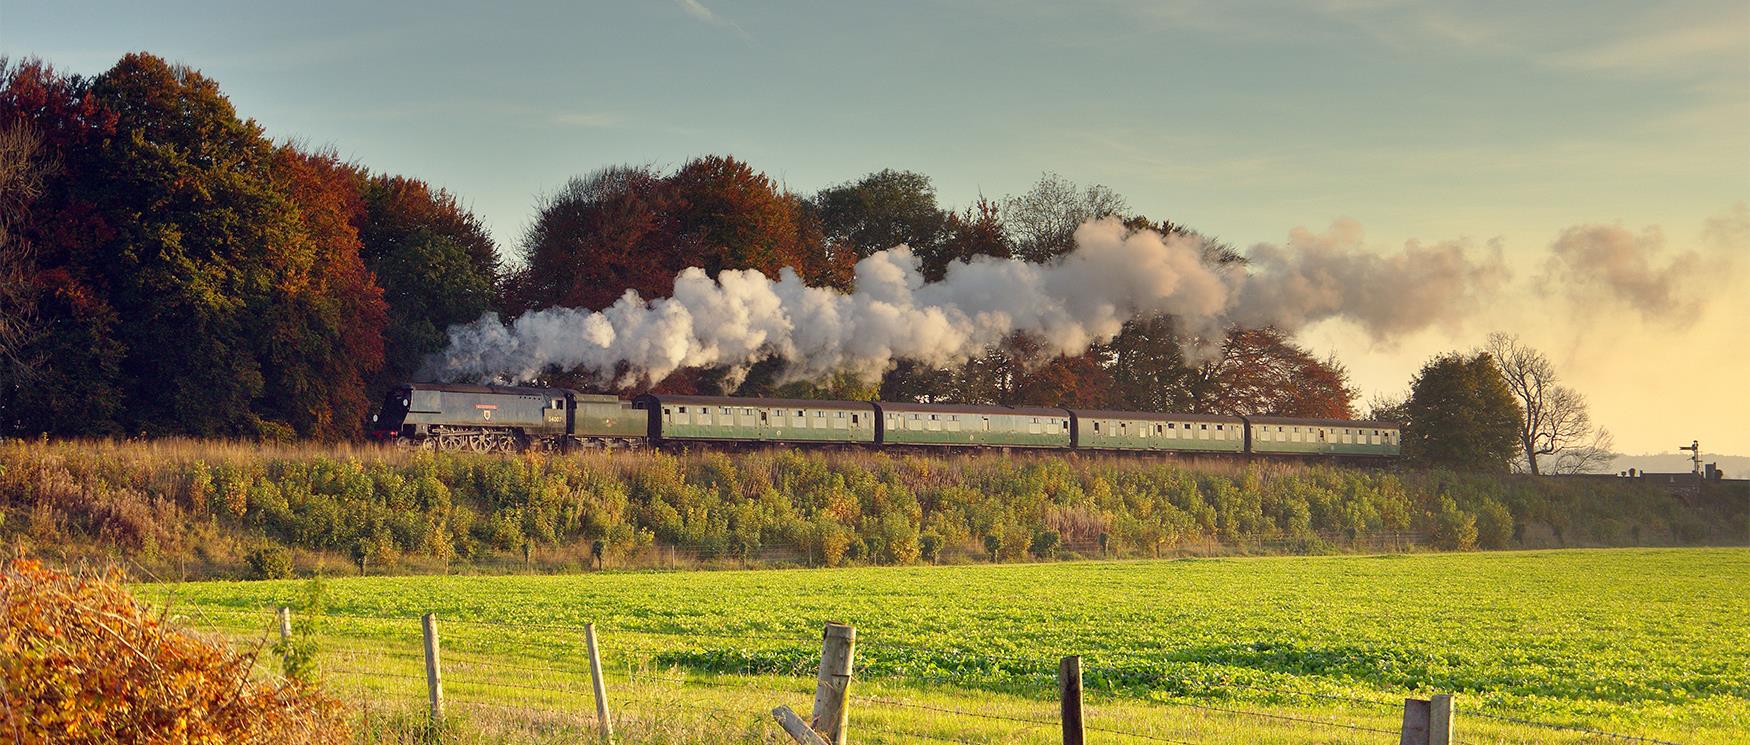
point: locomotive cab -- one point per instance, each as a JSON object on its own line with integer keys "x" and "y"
{"x": 386, "y": 424}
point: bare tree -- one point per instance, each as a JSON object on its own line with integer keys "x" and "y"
{"x": 1591, "y": 457}
{"x": 1555, "y": 423}
{"x": 21, "y": 182}
{"x": 1042, "y": 222}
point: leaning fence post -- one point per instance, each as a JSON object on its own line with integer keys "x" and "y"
{"x": 1440, "y": 719}
{"x": 285, "y": 616}
{"x": 600, "y": 685}
{"x": 795, "y": 727}
{"x": 831, "y": 712}
{"x": 1069, "y": 686}
{"x": 434, "y": 683}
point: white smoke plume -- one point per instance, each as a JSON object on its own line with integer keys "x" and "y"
{"x": 1083, "y": 297}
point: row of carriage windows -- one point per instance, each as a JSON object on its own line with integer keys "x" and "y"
{"x": 726, "y": 416}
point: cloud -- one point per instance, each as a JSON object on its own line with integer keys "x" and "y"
{"x": 703, "y": 14}
{"x": 585, "y": 119}
{"x": 1679, "y": 49}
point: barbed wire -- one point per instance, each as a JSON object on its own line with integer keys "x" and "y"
{"x": 1567, "y": 727}
{"x": 1283, "y": 717}
{"x": 1018, "y": 664}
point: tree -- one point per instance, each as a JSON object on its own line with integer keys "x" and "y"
{"x": 883, "y": 210}
{"x": 435, "y": 262}
{"x": 592, "y": 240}
{"x": 1262, "y": 372}
{"x": 327, "y": 316}
{"x": 1554, "y": 423}
{"x": 22, "y": 171}
{"x": 1042, "y": 222}
{"x": 1461, "y": 414}
{"x": 729, "y": 216}
{"x": 65, "y": 231}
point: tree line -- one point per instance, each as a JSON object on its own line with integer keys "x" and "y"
{"x": 167, "y": 268}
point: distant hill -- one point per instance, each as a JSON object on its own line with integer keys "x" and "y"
{"x": 1734, "y": 466}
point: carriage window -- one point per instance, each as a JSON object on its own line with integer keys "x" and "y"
{"x": 683, "y": 409}
{"x": 1096, "y": 426}
{"x": 1203, "y": 426}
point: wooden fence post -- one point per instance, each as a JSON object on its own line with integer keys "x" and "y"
{"x": 434, "y": 683}
{"x": 601, "y": 686}
{"x": 1069, "y": 686}
{"x": 1415, "y": 727}
{"x": 285, "y": 616}
{"x": 1440, "y": 719}
{"x": 797, "y": 729}
{"x": 1427, "y": 722}
{"x": 831, "y": 710}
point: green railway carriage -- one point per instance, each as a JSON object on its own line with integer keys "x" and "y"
{"x": 952, "y": 425}
{"x": 737, "y": 419}
{"x": 1146, "y": 431}
{"x": 1329, "y": 437}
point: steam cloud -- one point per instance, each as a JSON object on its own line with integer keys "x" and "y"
{"x": 1084, "y": 297}
{"x": 1609, "y": 264}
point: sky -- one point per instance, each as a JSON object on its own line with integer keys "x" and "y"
{"x": 1500, "y": 125}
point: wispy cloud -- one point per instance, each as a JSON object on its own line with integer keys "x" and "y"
{"x": 584, "y": 119}
{"x": 1677, "y": 49}
{"x": 703, "y": 14}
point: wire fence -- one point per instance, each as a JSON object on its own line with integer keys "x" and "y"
{"x": 532, "y": 681}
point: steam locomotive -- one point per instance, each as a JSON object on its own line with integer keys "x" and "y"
{"x": 507, "y": 419}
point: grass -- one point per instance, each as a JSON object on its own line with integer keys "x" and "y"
{"x": 1651, "y": 642}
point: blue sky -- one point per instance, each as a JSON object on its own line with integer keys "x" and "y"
{"x": 1421, "y": 120}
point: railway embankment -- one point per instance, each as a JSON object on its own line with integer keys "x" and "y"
{"x": 201, "y": 508}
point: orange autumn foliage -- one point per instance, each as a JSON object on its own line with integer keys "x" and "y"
{"x": 81, "y": 661}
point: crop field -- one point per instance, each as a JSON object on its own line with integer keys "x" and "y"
{"x": 1643, "y": 642}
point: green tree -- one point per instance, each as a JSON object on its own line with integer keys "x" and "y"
{"x": 882, "y": 210}
{"x": 201, "y": 234}
{"x": 1461, "y": 415}
{"x": 435, "y": 262}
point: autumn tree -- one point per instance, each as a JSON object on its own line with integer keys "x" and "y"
{"x": 327, "y": 316}
{"x": 1262, "y": 372}
{"x": 593, "y": 239}
{"x": 1554, "y": 423}
{"x": 1461, "y": 414}
{"x": 192, "y": 276}
{"x": 22, "y": 171}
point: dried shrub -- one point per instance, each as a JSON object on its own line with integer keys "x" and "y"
{"x": 82, "y": 662}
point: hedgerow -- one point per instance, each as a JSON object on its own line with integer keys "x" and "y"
{"x": 230, "y": 507}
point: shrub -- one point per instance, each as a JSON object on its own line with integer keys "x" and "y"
{"x": 269, "y": 562}
{"x": 85, "y": 663}
{"x": 1454, "y": 529}
{"x": 1494, "y": 525}
{"x": 1044, "y": 544}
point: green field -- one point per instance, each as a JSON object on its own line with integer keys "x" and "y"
{"x": 1652, "y": 642}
